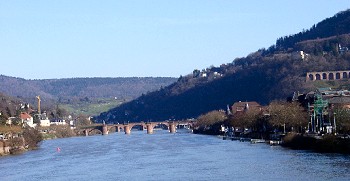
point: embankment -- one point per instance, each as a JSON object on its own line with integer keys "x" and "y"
{"x": 324, "y": 144}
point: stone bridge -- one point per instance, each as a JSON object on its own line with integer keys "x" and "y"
{"x": 104, "y": 129}
{"x": 328, "y": 75}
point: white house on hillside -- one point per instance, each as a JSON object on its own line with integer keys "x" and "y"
{"x": 27, "y": 119}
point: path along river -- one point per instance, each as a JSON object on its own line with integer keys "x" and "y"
{"x": 165, "y": 156}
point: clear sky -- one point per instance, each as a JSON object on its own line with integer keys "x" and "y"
{"x": 42, "y": 39}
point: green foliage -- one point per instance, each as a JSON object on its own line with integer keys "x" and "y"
{"x": 336, "y": 25}
{"x": 80, "y": 89}
{"x": 342, "y": 120}
{"x": 2, "y": 120}
{"x": 94, "y": 107}
{"x": 17, "y": 121}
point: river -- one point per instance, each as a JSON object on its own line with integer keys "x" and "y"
{"x": 165, "y": 156}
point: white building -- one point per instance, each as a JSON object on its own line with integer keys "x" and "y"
{"x": 45, "y": 123}
{"x": 27, "y": 119}
{"x": 59, "y": 122}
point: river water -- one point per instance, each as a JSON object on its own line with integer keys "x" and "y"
{"x": 165, "y": 156}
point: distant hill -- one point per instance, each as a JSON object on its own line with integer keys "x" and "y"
{"x": 262, "y": 76}
{"x": 63, "y": 90}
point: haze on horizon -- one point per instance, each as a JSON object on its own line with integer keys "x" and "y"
{"x": 89, "y": 38}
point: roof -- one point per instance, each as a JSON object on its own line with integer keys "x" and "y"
{"x": 241, "y": 106}
{"x": 25, "y": 115}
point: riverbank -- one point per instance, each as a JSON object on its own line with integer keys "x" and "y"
{"x": 322, "y": 144}
{"x": 315, "y": 143}
{"x": 17, "y": 141}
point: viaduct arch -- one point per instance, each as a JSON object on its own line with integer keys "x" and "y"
{"x": 328, "y": 75}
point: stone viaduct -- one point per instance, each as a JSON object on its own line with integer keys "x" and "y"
{"x": 328, "y": 75}
{"x": 104, "y": 129}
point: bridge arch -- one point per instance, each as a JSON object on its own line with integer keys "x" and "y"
{"x": 97, "y": 131}
{"x": 140, "y": 126}
{"x": 104, "y": 129}
{"x": 117, "y": 128}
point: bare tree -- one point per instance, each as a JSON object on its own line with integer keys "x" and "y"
{"x": 287, "y": 115}
{"x": 211, "y": 118}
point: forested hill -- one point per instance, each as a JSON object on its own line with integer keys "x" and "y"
{"x": 262, "y": 76}
{"x": 8, "y": 107}
{"x": 333, "y": 26}
{"x": 55, "y": 89}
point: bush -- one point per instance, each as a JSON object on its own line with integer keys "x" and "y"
{"x": 32, "y": 137}
{"x": 62, "y": 131}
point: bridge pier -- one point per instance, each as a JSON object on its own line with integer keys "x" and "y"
{"x": 127, "y": 129}
{"x": 149, "y": 128}
{"x": 104, "y": 130}
{"x": 172, "y": 127}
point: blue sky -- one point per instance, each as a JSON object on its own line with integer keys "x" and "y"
{"x": 43, "y": 39}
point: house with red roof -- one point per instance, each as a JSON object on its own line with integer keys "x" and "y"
{"x": 244, "y": 106}
{"x": 27, "y": 119}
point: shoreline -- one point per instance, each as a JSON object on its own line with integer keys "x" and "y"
{"x": 326, "y": 144}
{"x": 293, "y": 141}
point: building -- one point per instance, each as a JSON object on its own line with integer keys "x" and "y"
{"x": 45, "y": 122}
{"x": 244, "y": 106}
{"x": 321, "y": 105}
{"x": 10, "y": 120}
{"x": 300, "y": 55}
{"x": 58, "y": 122}
{"x": 27, "y": 119}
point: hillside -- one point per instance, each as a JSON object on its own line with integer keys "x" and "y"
{"x": 333, "y": 26}
{"x": 262, "y": 76}
{"x": 78, "y": 91}
{"x": 8, "y": 107}
{"x": 129, "y": 87}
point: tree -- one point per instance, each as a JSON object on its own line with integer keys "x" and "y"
{"x": 16, "y": 121}
{"x": 288, "y": 115}
{"x": 8, "y": 112}
{"x": 211, "y": 118}
{"x": 246, "y": 119}
{"x": 342, "y": 117}
{"x": 82, "y": 120}
{"x": 196, "y": 73}
{"x": 61, "y": 112}
{"x": 32, "y": 137}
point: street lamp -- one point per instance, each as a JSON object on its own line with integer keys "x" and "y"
{"x": 334, "y": 124}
